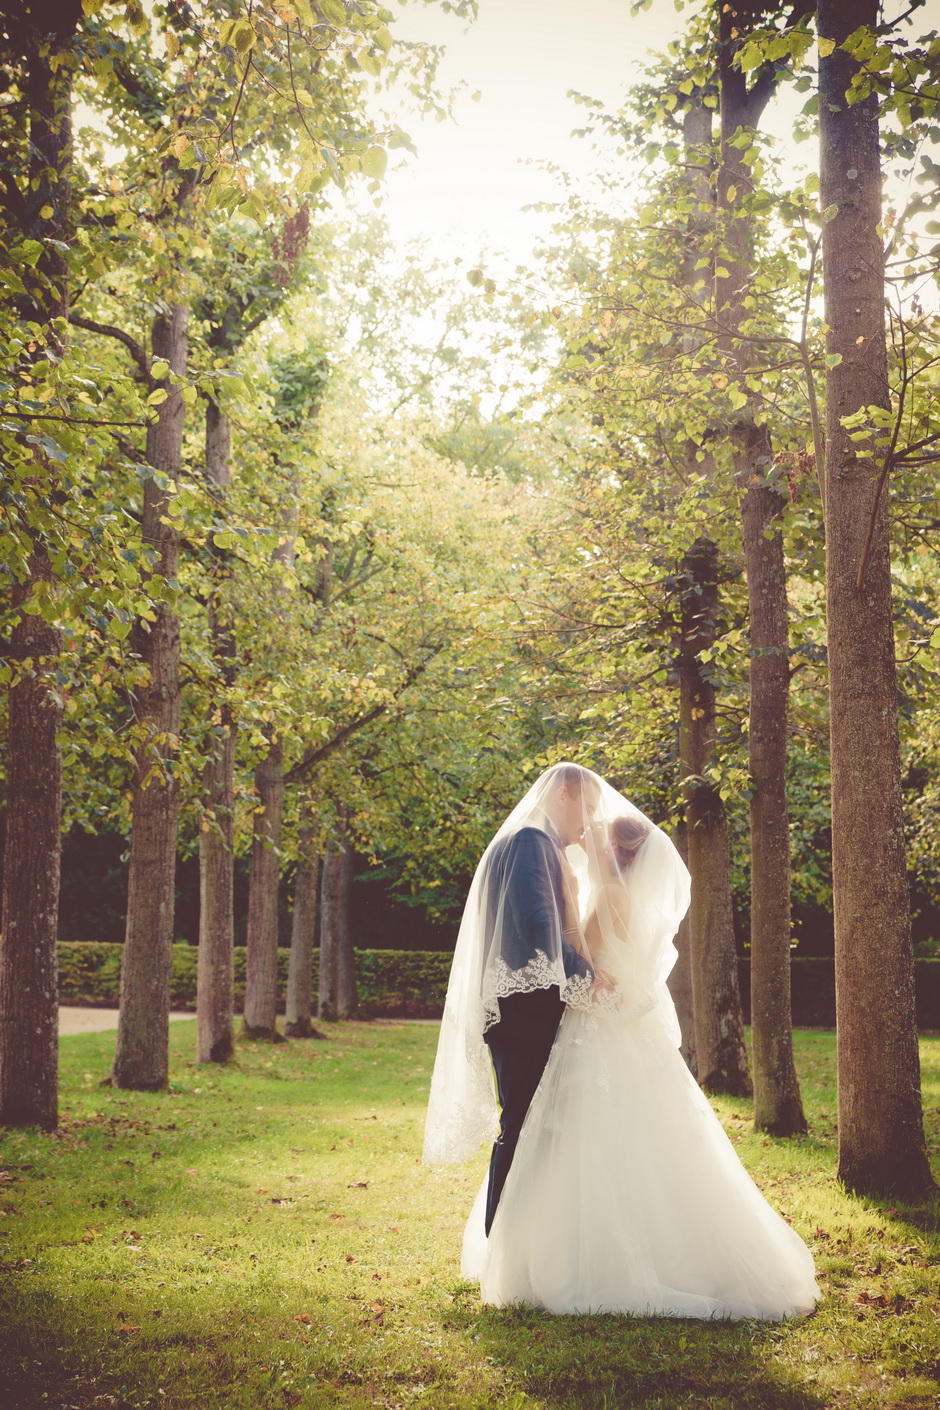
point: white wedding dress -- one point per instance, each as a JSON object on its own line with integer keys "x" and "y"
{"x": 625, "y": 1194}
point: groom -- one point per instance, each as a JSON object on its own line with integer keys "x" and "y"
{"x": 524, "y": 888}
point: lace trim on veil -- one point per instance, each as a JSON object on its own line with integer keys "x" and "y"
{"x": 500, "y": 981}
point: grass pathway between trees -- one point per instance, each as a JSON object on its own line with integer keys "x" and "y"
{"x": 265, "y": 1237}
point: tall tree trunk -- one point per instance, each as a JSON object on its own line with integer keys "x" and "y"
{"x": 261, "y": 973}
{"x": 709, "y": 965}
{"x": 881, "y": 1135}
{"x": 337, "y": 968}
{"x": 215, "y": 983}
{"x": 680, "y": 978}
{"x": 721, "y": 1056}
{"x": 30, "y": 904}
{"x": 327, "y": 1008}
{"x": 303, "y": 932}
{"x": 142, "y": 1057}
{"x": 346, "y": 998}
{"x": 777, "y": 1105}
{"x": 261, "y": 961}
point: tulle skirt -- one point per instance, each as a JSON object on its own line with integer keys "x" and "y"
{"x": 625, "y": 1194}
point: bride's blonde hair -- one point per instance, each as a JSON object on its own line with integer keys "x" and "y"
{"x": 627, "y": 835}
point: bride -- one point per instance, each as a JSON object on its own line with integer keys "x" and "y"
{"x": 624, "y": 1194}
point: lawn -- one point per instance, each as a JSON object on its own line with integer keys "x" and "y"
{"x": 265, "y": 1236}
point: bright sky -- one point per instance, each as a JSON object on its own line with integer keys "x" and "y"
{"x": 469, "y": 182}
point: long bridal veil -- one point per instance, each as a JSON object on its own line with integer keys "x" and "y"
{"x": 621, "y": 870}
{"x": 625, "y": 1194}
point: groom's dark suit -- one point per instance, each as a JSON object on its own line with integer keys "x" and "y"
{"x": 524, "y": 894}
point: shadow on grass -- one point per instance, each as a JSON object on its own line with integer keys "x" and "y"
{"x": 612, "y": 1363}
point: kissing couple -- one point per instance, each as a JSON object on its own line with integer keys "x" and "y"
{"x": 612, "y": 1186}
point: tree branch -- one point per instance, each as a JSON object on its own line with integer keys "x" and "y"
{"x": 316, "y": 756}
{"x": 108, "y": 330}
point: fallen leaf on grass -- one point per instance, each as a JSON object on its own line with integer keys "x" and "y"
{"x": 350, "y": 1257}
{"x": 358, "y": 1185}
{"x": 127, "y": 1329}
{"x": 303, "y": 1317}
{"x": 867, "y": 1299}
{"x": 291, "y": 1397}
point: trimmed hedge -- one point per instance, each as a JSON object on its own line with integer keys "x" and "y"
{"x": 403, "y": 983}
{"x": 813, "y": 989}
{"x": 412, "y": 983}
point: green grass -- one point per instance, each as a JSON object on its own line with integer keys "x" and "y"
{"x": 265, "y": 1236}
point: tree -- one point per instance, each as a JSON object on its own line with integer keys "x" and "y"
{"x": 215, "y": 995}
{"x": 331, "y": 930}
{"x": 38, "y": 42}
{"x": 881, "y": 1137}
{"x": 298, "y": 1008}
{"x": 777, "y": 1105}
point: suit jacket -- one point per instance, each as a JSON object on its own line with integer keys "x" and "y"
{"x": 524, "y": 871}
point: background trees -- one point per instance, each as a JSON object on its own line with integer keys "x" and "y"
{"x": 330, "y": 543}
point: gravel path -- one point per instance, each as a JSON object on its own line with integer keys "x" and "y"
{"x": 82, "y": 1020}
{"x": 74, "y": 1019}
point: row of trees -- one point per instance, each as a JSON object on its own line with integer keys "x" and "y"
{"x": 279, "y": 587}
{"x": 700, "y": 349}
{"x": 169, "y": 516}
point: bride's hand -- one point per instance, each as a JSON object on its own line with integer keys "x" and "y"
{"x": 603, "y": 983}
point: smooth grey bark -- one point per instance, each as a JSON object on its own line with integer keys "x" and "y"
{"x": 141, "y": 1061}
{"x": 881, "y": 1132}
{"x": 215, "y": 979}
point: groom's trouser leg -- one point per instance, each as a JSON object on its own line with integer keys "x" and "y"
{"x": 519, "y": 1058}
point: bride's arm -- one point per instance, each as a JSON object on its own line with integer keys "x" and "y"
{"x": 615, "y": 906}
{"x": 574, "y": 935}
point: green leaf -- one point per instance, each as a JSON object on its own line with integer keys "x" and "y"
{"x": 159, "y": 370}
{"x": 833, "y": 359}
{"x": 254, "y": 204}
{"x": 332, "y": 10}
{"x": 373, "y": 162}
{"x": 826, "y": 46}
{"x": 243, "y": 36}
{"x": 158, "y": 397}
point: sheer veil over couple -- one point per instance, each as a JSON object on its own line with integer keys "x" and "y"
{"x": 612, "y": 1186}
